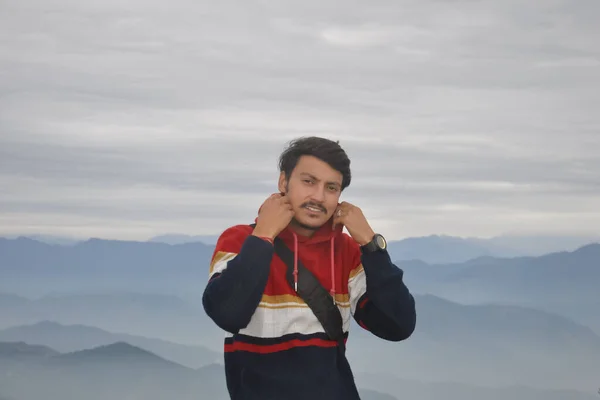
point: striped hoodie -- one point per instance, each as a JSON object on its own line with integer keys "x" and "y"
{"x": 275, "y": 348}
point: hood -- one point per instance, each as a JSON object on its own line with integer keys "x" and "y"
{"x": 327, "y": 233}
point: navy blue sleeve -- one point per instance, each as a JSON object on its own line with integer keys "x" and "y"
{"x": 387, "y": 308}
{"x": 237, "y": 282}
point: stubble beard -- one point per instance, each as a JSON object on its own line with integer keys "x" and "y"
{"x": 299, "y": 224}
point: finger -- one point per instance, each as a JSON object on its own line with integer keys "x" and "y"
{"x": 338, "y": 221}
{"x": 290, "y": 214}
{"x": 268, "y": 200}
{"x": 273, "y": 197}
{"x": 337, "y": 218}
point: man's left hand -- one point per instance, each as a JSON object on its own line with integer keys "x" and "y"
{"x": 353, "y": 219}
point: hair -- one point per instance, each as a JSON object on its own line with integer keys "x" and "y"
{"x": 326, "y": 150}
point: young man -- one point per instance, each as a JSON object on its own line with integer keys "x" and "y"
{"x": 277, "y": 348}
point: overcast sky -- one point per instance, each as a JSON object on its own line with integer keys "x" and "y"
{"x": 133, "y": 119}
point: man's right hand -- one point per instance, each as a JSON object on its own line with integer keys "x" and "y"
{"x": 274, "y": 216}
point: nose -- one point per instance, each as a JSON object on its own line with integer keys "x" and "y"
{"x": 318, "y": 194}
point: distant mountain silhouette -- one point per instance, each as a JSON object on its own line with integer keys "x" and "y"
{"x": 526, "y": 345}
{"x": 119, "y": 370}
{"x": 447, "y": 249}
{"x": 119, "y": 352}
{"x": 12, "y": 300}
{"x": 34, "y": 269}
{"x": 501, "y": 322}
{"x": 153, "y": 290}
{"x": 565, "y": 282}
{"x": 210, "y": 240}
{"x": 69, "y": 338}
{"x": 22, "y": 349}
{"x": 438, "y": 249}
{"x": 49, "y": 239}
{"x": 488, "y": 344}
{"x": 124, "y": 371}
{"x": 164, "y": 316}
{"x": 416, "y": 390}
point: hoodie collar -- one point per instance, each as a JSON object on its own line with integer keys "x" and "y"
{"x": 324, "y": 234}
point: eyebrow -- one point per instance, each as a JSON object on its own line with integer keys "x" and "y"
{"x": 317, "y": 179}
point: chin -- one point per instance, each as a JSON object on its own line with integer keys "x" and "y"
{"x": 310, "y": 224}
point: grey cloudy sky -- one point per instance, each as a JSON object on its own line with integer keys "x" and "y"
{"x": 133, "y": 119}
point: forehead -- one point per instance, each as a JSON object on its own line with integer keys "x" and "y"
{"x": 309, "y": 165}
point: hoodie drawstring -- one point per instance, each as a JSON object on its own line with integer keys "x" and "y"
{"x": 332, "y": 266}
{"x": 295, "y": 262}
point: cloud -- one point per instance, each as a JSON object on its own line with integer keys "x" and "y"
{"x": 130, "y": 120}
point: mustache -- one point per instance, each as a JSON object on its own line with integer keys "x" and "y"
{"x": 318, "y": 206}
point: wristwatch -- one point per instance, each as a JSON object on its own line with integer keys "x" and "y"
{"x": 378, "y": 243}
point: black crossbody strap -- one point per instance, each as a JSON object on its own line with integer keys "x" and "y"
{"x": 314, "y": 294}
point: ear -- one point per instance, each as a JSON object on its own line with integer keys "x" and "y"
{"x": 282, "y": 183}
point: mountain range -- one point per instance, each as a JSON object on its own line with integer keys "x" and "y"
{"x": 567, "y": 282}
{"x": 496, "y": 344}
{"x": 564, "y": 282}
{"x": 446, "y": 248}
{"x": 431, "y": 249}
{"x": 488, "y": 344}
{"x": 485, "y": 322}
{"x": 141, "y": 314}
{"x": 71, "y": 338}
{"x": 120, "y": 370}
{"x": 116, "y": 370}
{"x": 32, "y": 268}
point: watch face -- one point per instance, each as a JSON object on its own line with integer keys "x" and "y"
{"x": 381, "y": 243}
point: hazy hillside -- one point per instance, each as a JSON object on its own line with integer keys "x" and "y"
{"x": 34, "y": 269}
{"x": 115, "y": 371}
{"x": 109, "y": 372}
{"x": 124, "y": 371}
{"x": 49, "y": 239}
{"x": 563, "y": 282}
{"x": 447, "y": 249}
{"x": 490, "y": 345}
{"x": 158, "y": 316}
{"x": 20, "y": 349}
{"x": 152, "y": 291}
{"x": 494, "y": 344}
{"x": 439, "y": 249}
{"x": 415, "y": 390}
{"x": 181, "y": 239}
{"x": 580, "y": 267}
{"x": 69, "y": 338}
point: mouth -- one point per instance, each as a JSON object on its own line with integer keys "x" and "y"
{"x": 314, "y": 209}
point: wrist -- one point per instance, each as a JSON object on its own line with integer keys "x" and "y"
{"x": 263, "y": 234}
{"x": 363, "y": 240}
{"x": 266, "y": 239}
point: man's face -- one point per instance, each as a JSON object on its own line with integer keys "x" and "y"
{"x": 314, "y": 190}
